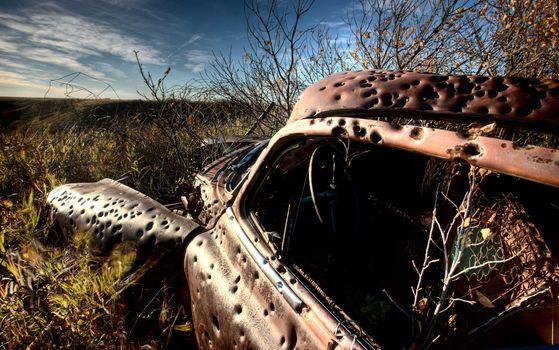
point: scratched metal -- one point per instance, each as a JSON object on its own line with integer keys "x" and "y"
{"x": 112, "y": 212}
{"x": 529, "y": 103}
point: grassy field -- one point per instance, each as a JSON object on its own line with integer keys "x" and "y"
{"x": 53, "y": 292}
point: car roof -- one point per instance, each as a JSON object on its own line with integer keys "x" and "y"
{"x": 509, "y": 101}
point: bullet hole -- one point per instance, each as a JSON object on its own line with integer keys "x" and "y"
{"x": 375, "y": 137}
{"x": 523, "y": 111}
{"x": 238, "y": 310}
{"x": 338, "y": 131}
{"x": 482, "y": 110}
{"x": 215, "y": 323}
{"x": 417, "y": 133}
{"x": 401, "y": 102}
{"x": 149, "y": 226}
{"x": 471, "y": 150}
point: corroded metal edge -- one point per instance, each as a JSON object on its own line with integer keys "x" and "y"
{"x": 533, "y": 163}
{"x": 528, "y": 103}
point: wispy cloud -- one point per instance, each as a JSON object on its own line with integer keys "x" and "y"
{"x": 193, "y": 39}
{"x": 15, "y": 84}
{"x": 333, "y": 24}
{"x": 8, "y": 46}
{"x": 111, "y": 71}
{"x": 196, "y": 60}
{"x": 61, "y": 41}
{"x": 77, "y": 35}
{"x": 59, "y": 58}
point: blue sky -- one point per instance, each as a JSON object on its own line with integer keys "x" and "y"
{"x": 44, "y": 40}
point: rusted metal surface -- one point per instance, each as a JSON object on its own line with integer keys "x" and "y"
{"x": 216, "y": 181}
{"x": 235, "y": 305}
{"x": 529, "y": 103}
{"x": 531, "y": 162}
{"x": 112, "y": 212}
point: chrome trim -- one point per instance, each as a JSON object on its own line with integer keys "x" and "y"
{"x": 264, "y": 265}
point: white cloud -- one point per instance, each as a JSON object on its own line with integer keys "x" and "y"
{"x": 111, "y": 72}
{"x": 193, "y": 39}
{"x": 76, "y": 35}
{"x": 333, "y": 24}
{"x": 8, "y": 46}
{"x": 59, "y": 58}
{"x": 12, "y": 64}
{"x": 14, "y": 83}
{"x": 196, "y": 60}
{"x": 51, "y": 38}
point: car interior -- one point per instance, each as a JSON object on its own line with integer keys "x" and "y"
{"x": 347, "y": 217}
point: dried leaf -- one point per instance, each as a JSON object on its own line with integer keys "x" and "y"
{"x": 186, "y": 327}
{"x": 485, "y": 233}
{"x": 423, "y": 304}
{"x": 484, "y": 300}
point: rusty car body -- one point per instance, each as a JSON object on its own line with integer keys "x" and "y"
{"x": 394, "y": 209}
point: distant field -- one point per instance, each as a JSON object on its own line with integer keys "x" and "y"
{"x": 58, "y": 112}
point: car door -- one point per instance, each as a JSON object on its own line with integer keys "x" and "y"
{"x": 243, "y": 295}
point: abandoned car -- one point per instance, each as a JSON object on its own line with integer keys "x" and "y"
{"x": 394, "y": 209}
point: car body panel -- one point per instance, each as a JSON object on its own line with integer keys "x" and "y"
{"x": 112, "y": 212}
{"x": 518, "y": 102}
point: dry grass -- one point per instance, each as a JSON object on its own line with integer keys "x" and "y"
{"x": 53, "y": 291}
